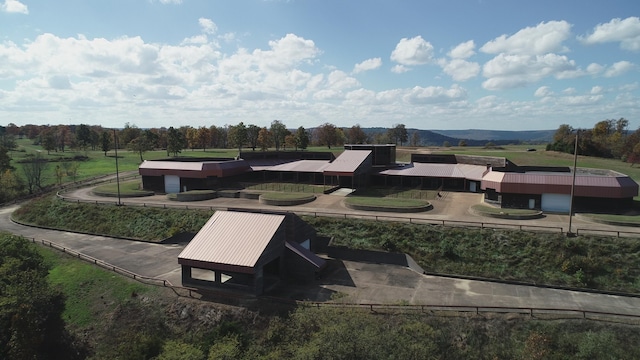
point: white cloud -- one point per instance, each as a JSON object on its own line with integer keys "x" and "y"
{"x": 594, "y": 69}
{"x": 542, "y": 39}
{"x": 461, "y": 70}
{"x": 399, "y": 69}
{"x": 626, "y": 32}
{"x": 208, "y": 26}
{"x": 619, "y": 68}
{"x": 629, "y": 87}
{"x": 596, "y": 90}
{"x": 543, "y": 91}
{"x": 414, "y": 51}
{"x": 463, "y": 50}
{"x": 435, "y": 94}
{"x": 14, "y": 6}
{"x": 569, "y": 91}
{"x": 511, "y": 71}
{"x": 177, "y": 2}
{"x": 369, "y": 64}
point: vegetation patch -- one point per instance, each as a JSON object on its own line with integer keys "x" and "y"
{"x": 152, "y": 224}
{"x": 503, "y": 213}
{"x": 285, "y": 199}
{"x": 613, "y": 219}
{"x": 193, "y": 195}
{"x": 386, "y": 204}
{"x": 603, "y": 263}
{"x": 127, "y": 189}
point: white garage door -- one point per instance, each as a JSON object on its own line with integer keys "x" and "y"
{"x": 556, "y": 202}
{"x": 171, "y": 184}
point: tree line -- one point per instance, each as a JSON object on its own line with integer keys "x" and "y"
{"x": 607, "y": 139}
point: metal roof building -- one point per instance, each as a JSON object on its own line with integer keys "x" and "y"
{"x": 249, "y": 251}
{"x": 551, "y": 190}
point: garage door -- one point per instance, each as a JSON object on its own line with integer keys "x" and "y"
{"x": 556, "y": 202}
{"x": 171, "y": 184}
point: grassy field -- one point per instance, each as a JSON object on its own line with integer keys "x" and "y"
{"x": 385, "y": 202}
{"x": 127, "y": 189}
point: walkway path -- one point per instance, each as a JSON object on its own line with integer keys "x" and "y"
{"x": 357, "y": 282}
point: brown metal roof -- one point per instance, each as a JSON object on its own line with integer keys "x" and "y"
{"x": 588, "y": 183}
{"x": 437, "y": 170}
{"x": 194, "y": 169}
{"x": 313, "y": 166}
{"x": 232, "y": 240}
{"x": 347, "y": 163}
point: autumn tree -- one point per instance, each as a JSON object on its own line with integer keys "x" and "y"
{"x": 302, "y": 138}
{"x": 238, "y": 135}
{"x": 83, "y": 136}
{"x": 355, "y": 135}
{"x": 34, "y": 168}
{"x": 175, "y": 142}
{"x": 265, "y": 139}
{"x": 252, "y": 136}
{"x": 398, "y": 134}
{"x": 203, "y": 137}
{"x": 278, "y": 133}
{"x": 327, "y": 135}
{"x": 106, "y": 143}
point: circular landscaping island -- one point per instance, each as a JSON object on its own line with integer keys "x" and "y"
{"x": 127, "y": 189}
{"x": 193, "y": 195}
{"x": 398, "y": 205}
{"x": 286, "y": 199}
{"x": 503, "y": 213}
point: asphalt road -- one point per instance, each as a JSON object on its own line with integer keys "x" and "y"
{"x": 356, "y": 282}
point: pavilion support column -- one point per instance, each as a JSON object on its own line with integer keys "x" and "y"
{"x": 218, "y": 277}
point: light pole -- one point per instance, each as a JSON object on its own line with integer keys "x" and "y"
{"x": 115, "y": 141}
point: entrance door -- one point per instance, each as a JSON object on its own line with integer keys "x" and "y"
{"x": 556, "y": 202}
{"x": 171, "y": 184}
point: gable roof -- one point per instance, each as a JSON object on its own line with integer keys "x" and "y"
{"x": 347, "y": 163}
{"x": 232, "y": 239}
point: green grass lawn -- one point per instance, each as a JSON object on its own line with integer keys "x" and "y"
{"x": 127, "y": 188}
{"x": 87, "y": 283}
{"x": 385, "y": 202}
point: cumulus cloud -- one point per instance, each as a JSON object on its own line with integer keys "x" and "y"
{"x": 14, "y": 6}
{"x": 510, "y": 71}
{"x": 596, "y": 90}
{"x": 414, "y": 51}
{"x": 435, "y": 94}
{"x": 594, "y": 69}
{"x": 619, "y": 68}
{"x": 369, "y": 64}
{"x": 461, "y": 70}
{"x": 399, "y": 69}
{"x": 463, "y": 50}
{"x": 541, "y": 39}
{"x": 543, "y": 91}
{"x": 625, "y": 31}
{"x": 569, "y": 91}
{"x": 207, "y": 26}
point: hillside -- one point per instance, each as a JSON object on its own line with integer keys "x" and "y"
{"x": 538, "y": 136}
{"x": 438, "y": 137}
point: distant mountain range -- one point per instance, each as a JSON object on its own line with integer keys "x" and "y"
{"x": 476, "y": 137}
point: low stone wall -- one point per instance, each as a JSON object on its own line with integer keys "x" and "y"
{"x": 506, "y": 215}
{"x": 287, "y": 202}
{"x": 122, "y": 195}
{"x": 193, "y": 196}
{"x": 412, "y": 209}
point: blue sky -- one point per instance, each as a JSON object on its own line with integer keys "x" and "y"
{"x": 481, "y": 64}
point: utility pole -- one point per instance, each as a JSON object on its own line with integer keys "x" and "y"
{"x": 573, "y": 183}
{"x": 115, "y": 141}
